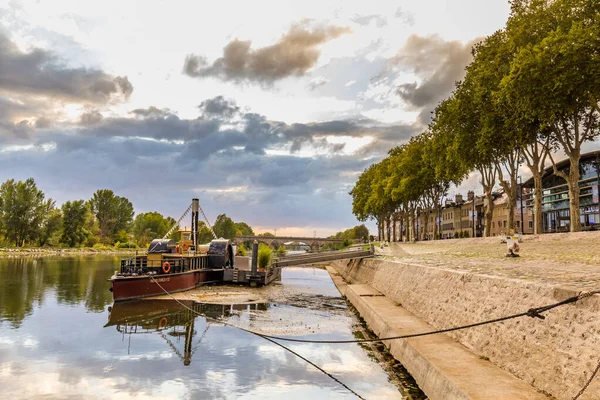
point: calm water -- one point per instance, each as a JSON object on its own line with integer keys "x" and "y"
{"x": 60, "y": 338}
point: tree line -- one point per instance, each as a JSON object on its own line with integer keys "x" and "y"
{"x": 532, "y": 89}
{"x": 28, "y": 218}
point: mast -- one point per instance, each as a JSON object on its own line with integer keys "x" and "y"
{"x": 195, "y": 208}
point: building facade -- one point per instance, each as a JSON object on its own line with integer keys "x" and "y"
{"x": 555, "y": 195}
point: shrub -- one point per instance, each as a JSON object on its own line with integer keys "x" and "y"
{"x": 241, "y": 250}
{"x": 280, "y": 251}
{"x": 125, "y": 245}
{"x": 346, "y": 243}
{"x": 264, "y": 255}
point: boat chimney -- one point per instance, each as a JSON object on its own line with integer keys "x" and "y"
{"x": 195, "y": 208}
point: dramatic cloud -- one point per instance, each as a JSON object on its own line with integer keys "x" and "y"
{"x": 41, "y": 73}
{"x": 293, "y": 55}
{"x": 299, "y": 170}
{"x": 438, "y": 63}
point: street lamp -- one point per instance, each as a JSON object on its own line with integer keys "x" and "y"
{"x": 521, "y": 200}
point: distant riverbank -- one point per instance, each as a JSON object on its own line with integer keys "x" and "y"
{"x": 57, "y": 251}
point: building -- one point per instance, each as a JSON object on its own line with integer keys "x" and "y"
{"x": 500, "y": 216}
{"x": 555, "y": 195}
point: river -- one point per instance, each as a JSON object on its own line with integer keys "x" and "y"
{"x": 61, "y": 337}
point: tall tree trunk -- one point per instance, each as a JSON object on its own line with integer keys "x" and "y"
{"x": 535, "y": 155}
{"x": 488, "y": 179}
{"x": 394, "y": 219}
{"x": 572, "y": 180}
{"x": 573, "y": 184}
{"x": 538, "y": 223}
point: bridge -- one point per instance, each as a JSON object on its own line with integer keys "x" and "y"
{"x": 275, "y": 241}
{"x": 355, "y": 252}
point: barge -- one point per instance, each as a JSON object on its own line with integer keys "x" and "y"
{"x": 171, "y": 266}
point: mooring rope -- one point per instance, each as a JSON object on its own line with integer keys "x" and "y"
{"x": 259, "y": 335}
{"x": 532, "y": 313}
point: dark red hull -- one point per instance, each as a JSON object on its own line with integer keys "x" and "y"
{"x": 135, "y": 287}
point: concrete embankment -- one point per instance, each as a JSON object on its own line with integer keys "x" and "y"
{"x": 527, "y": 357}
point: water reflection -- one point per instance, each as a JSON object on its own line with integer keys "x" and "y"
{"x": 52, "y": 318}
{"x": 172, "y": 319}
{"x": 27, "y": 282}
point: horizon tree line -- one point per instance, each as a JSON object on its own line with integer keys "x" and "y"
{"x": 532, "y": 89}
{"x": 28, "y": 218}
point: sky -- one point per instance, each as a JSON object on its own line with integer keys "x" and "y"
{"x": 266, "y": 111}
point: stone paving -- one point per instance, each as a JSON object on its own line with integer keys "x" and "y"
{"x": 569, "y": 260}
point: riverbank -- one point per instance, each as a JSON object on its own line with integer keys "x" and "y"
{"x": 57, "y": 251}
{"x": 458, "y": 282}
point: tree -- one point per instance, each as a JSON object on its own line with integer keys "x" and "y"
{"x": 50, "y": 224}
{"x": 244, "y": 229}
{"x": 224, "y": 227}
{"x": 75, "y": 214}
{"x": 113, "y": 213}
{"x": 204, "y": 233}
{"x": 149, "y": 226}
{"x": 555, "y": 77}
{"x": 267, "y": 234}
{"x": 21, "y": 209}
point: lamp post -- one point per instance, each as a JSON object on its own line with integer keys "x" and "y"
{"x": 521, "y": 200}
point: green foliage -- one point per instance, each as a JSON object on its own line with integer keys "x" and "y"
{"x": 113, "y": 213}
{"x": 204, "y": 233}
{"x": 280, "y": 252}
{"x": 360, "y": 232}
{"x": 224, "y": 227}
{"x": 243, "y": 229}
{"x": 25, "y": 216}
{"x": 264, "y": 255}
{"x": 125, "y": 245}
{"x": 242, "y": 251}
{"x": 266, "y": 234}
{"x": 149, "y": 226}
{"x": 75, "y": 215}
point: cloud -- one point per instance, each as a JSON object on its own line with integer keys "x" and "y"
{"x": 438, "y": 64}
{"x": 380, "y": 20}
{"x": 294, "y": 168}
{"x": 294, "y": 54}
{"x": 317, "y": 82}
{"x": 42, "y": 73}
{"x": 90, "y": 118}
{"x": 218, "y": 107}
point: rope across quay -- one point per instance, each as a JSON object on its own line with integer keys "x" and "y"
{"x": 532, "y": 313}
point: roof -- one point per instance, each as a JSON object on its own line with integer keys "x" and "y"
{"x": 592, "y": 155}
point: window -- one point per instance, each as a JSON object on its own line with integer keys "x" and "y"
{"x": 518, "y": 223}
{"x": 504, "y": 224}
{"x": 530, "y": 224}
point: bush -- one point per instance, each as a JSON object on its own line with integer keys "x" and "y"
{"x": 280, "y": 251}
{"x": 125, "y": 245}
{"x": 241, "y": 250}
{"x": 100, "y": 246}
{"x": 346, "y": 243}
{"x": 264, "y": 255}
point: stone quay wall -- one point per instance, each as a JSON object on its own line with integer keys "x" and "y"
{"x": 556, "y": 355}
